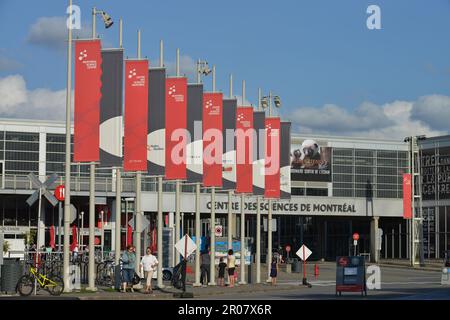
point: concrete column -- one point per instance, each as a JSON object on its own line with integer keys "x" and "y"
{"x": 374, "y": 256}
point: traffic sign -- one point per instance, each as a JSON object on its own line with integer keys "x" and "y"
{"x": 218, "y": 231}
{"x": 303, "y": 252}
{"x": 355, "y": 242}
{"x": 59, "y": 192}
{"x": 288, "y": 248}
{"x": 185, "y": 243}
{"x": 144, "y": 223}
{"x": 42, "y": 189}
{"x": 356, "y": 236}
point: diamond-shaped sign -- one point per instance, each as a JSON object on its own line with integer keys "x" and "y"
{"x": 303, "y": 252}
{"x": 185, "y": 242}
{"x": 144, "y": 223}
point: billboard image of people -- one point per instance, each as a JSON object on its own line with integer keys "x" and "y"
{"x": 311, "y": 162}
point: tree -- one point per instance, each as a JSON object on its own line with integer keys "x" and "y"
{"x": 6, "y": 246}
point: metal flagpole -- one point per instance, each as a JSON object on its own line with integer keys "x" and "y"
{"x": 258, "y": 219}
{"x": 242, "y": 237}
{"x": 59, "y": 225}
{"x": 38, "y": 242}
{"x": 160, "y": 199}
{"x": 117, "y": 229}
{"x": 137, "y": 204}
{"x": 230, "y": 193}
{"x": 269, "y": 215}
{"x": 91, "y": 262}
{"x": 177, "y": 185}
{"x": 66, "y": 266}
{"x": 197, "y": 235}
{"x": 212, "y": 269}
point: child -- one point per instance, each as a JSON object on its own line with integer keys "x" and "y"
{"x": 222, "y": 266}
{"x": 274, "y": 270}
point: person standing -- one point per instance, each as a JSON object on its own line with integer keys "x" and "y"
{"x": 231, "y": 265}
{"x": 148, "y": 264}
{"x": 222, "y": 266}
{"x": 274, "y": 270}
{"x": 129, "y": 260}
{"x": 204, "y": 267}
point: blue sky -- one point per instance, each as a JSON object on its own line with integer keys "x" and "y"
{"x": 319, "y": 56}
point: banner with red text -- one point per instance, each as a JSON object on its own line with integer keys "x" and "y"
{"x": 407, "y": 194}
{"x": 244, "y": 150}
{"x": 272, "y": 158}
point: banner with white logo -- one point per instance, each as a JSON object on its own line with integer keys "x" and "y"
{"x": 88, "y": 83}
{"x": 136, "y": 114}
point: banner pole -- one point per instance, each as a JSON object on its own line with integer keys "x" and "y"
{"x": 66, "y": 262}
{"x": 258, "y": 219}
{"x": 177, "y": 217}
{"x": 138, "y": 220}
{"x": 117, "y": 229}
{"x": 269, "y": 239}
{"x": 230, "y": 220}
{"x": 197, "y": 235}
{"x": 242, "y": 240}
{"x": 91, "y": 262}
{"x": 212, "y": 270}
{"x": 160, "y": 227}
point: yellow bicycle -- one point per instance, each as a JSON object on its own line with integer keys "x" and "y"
{"x": 53, "y": 284}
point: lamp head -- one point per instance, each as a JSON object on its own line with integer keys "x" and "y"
{"x": 277, "y": 101}
{"x": 264, "y": 103}
{"x": 107, "y": 20}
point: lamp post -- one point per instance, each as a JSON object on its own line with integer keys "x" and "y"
{"x": 202, "y": 69}
{"x": 266, "y": 102}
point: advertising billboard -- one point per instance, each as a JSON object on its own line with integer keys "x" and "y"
{"x": 311, "y": 162}
{"x": 435, "y": 167}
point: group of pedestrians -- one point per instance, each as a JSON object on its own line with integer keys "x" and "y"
{"x": 230, "y": 265}
{"x": 148, "y": 266}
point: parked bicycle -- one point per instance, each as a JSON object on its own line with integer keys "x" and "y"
{"x": 26, "y": 284}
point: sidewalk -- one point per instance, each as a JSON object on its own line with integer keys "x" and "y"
{"x": 430, "y": 265}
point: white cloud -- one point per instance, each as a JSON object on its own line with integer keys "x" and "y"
{"x": 433, "y": 110}
{"x": 19, "y": 102}
{"x": 393, "y": 121}
{"x": 51, "y": 32}
{"x": 188, "y": 67}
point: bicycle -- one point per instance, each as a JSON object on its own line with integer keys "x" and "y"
{"x": 26, "y": 284}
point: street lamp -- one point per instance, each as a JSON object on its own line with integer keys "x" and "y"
{"x": 266, "y": 102}
{"x": 108, "y": 22}
{"x": 202, "y": 69}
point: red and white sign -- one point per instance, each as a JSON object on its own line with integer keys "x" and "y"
{"x": 59, "y": 192}
{"x": 272, "y": 159}
{"x": 176, "y": 122}
{"x": 218, "y": 231}
{"x": 303, "y": 253}
{"x": 407, "y": 209}
{"x": 87, "y": 89}
{"x": 212, "y": 139}
{"x": 244, "y": 150}
{"x": 136, "y": 111}
{"x": 356, "y": 236}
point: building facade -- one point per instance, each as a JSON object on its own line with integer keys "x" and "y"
{"x": 348, "y": 185}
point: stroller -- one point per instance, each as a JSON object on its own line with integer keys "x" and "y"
{"x": 179, "y": 275}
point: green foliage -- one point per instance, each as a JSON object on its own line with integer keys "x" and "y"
{"x": 30, "y": 237}
{"x": 6, "y": 246}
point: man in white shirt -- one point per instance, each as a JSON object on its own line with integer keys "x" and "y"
{"x": 148, "y": 264}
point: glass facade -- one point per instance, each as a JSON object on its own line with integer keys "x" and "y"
{"x": 20, "y": 152}
{"x": 368, "y": 173}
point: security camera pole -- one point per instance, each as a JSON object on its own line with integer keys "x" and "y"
{"x": 66, "y": 258}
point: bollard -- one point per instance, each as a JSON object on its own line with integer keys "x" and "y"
{"x": 316, "y": 271}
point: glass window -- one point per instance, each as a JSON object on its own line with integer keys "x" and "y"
{"x": 364, "y": 153}
{"x": 10, "y": 211}
{"x": 22, "y": 136}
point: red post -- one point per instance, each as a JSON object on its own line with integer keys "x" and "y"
{"x": 316, "y": 270}
{"x": 304, "y": 263}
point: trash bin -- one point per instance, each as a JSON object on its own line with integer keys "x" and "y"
{"x": 10, "y": 274}
{"x": 295, "y": 266}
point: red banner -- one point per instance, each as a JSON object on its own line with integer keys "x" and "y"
{"x": 88, "y": 84}
{"x": 407, "y": 188}
{"x": 212, "y": 139}
{"x": 176, "y": 134}
{"x": 272, "y": 159}
{"x": 244, "y": 150}
{"x": 136, "y": 111}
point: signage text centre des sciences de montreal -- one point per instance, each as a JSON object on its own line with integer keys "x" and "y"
{"x": 288, "y": 206}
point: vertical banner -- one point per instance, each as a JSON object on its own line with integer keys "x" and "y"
{"x": 285, "y": 160}
{"x": 87, "y": 96}
{"x": 111, "y": 108}
{"x": 272, "y": 159}
{"x": 212, "y": 139}
{"x": 407, "y": 187}
{"x": 194, "y": 154}
{"x": 136, "y": 114}
{"x": 156, "y": 138}
{"x": 244, "y": 150}
{"x": 176, "y": 119}
{"x": 229, "y": 144}
{"x": 259, "y": 152}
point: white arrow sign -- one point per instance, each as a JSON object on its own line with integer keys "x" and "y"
{"x": 185, "y": 242}
{"x": 303, "y": 252}
{"x": 144, "y": 223}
